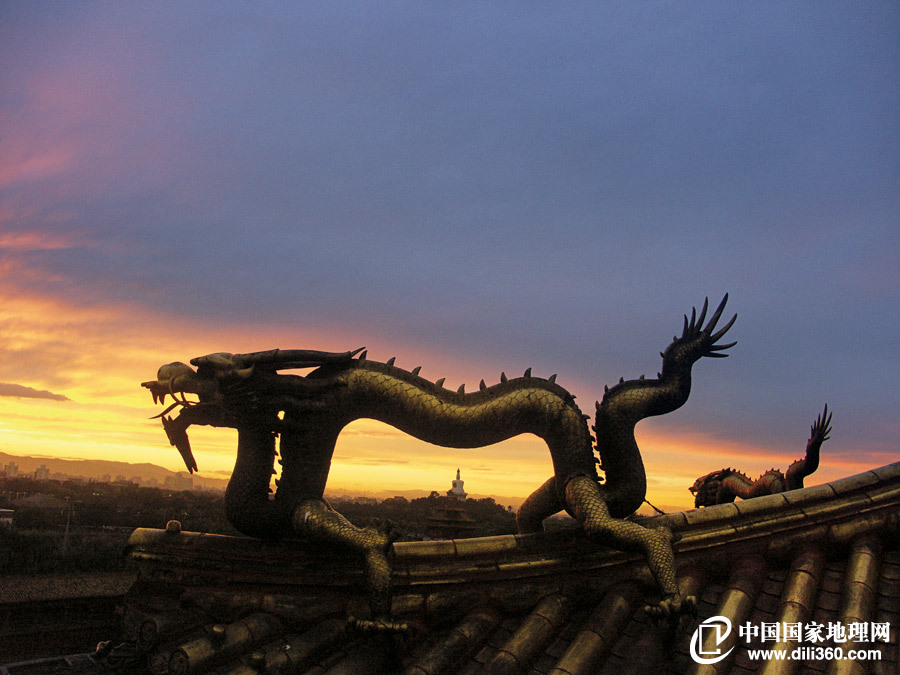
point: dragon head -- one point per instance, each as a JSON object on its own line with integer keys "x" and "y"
{"x": 226, "y": 386}
{"x": 706, "y": 489}
{"x": 179, "y": 379}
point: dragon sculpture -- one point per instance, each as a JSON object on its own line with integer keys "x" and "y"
{"x": 307, "y": 412}
{"x": 724, "y": 485}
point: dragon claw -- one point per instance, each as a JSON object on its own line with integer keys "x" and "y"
{"x": 377, "y": 626}
{"x": 385, "y": 532}
{"x": 671, "y": 608}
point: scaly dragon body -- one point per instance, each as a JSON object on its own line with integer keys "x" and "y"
{"x": 725, "y": 485}
{"x": 246, "y": 392}
{"x": 359, "y": 388}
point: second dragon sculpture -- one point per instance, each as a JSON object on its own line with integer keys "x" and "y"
{"x": 725, "y": 485}
{"x": 247, "y": 392}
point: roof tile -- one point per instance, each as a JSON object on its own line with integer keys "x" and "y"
{"x": 546, "y": 603}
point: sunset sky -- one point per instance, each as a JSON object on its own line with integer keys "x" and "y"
{"x": 470, "y": 187}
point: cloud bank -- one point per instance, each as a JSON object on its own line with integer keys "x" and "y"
{"x": 21, "y": 391}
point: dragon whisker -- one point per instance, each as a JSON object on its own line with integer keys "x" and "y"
{"x": 167, "y": 410}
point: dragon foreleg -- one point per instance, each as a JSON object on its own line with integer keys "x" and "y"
{"x": 247, "y": 504}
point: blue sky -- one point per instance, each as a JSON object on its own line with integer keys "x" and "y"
{"x": 479, "y": 186}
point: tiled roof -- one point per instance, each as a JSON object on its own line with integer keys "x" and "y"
{"x": 554, "y": 603}
{"x": 17, "y": 588}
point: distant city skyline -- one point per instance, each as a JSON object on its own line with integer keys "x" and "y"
{"x": 182, "y": 480}
{"x": 100, "y": 471}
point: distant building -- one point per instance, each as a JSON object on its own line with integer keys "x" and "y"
{"x": 6, "y": 517}
{"x": 42, "y": 473}
{"x": 180, "y": 481}
{"x": 11, "y": 469}
{"x": 451, "y": 520}
{"x": 457, "y": 489}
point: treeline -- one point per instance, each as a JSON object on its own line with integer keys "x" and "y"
{"x": 411, "y": 516}
{"x": 52, "y": 503}
{"x": 44, "y": 551}
{"x": 63, "y": 526}
{"x": 73, "y": 526}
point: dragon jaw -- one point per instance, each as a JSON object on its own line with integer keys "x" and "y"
{"x": 179, "y": 378}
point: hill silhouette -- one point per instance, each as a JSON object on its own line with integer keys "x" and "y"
{"x": 93, "y": 469}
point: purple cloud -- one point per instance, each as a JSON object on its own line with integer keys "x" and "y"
{"x": 21, "y": 391}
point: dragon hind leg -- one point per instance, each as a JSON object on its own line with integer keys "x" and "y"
{"x": 314, "y": 519}
{"x": 587, "y": 504}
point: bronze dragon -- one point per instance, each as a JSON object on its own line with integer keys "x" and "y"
{"x": 246, "y": 392}
{"x": 724, "y": 485}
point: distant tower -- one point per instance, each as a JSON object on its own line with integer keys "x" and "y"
{"x": 457, "y": 489}
{"x": 450, "y": 519}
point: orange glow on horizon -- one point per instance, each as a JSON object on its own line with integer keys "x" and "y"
{"x": 97, "y": 356}
{"x": 674, "y": 460}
